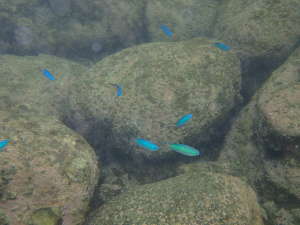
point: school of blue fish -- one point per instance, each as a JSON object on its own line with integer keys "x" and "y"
{"x": 143, "y": 143}
{"x": 180, "y": 148}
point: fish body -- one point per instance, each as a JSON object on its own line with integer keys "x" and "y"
{"x": 146, "y": 144}
{"x": 183, "y": 120}
{"x": 119, "y": 89}
{"x": 48, "y": 74}
{"x": 222, "y": 46}
{"x": 184, "y": 149}
{"x": 3, "y": 143}
{"x": 166, "y": 30}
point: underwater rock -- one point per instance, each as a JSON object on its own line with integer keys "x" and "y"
{"x": 66, "y": 28}
{"x": 47, "y": 173}
{"x": 31, "y": 90}
{"x": 161, "y": 82}
{"x": 46, "y": 216}
{"x": 278, "y": 101}
{"x": 265, "y": 29}
{"x": 263, "y": 143}
{"x": 279, "y": 125}
{"x": 262, "y": 32}
{"x": 187, "y": 19}
{"x": 192, "y": 198}
{"x": 3, "y": 218}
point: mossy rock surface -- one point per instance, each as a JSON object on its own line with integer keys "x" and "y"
{"x": 46, "y": 216}
{"x": 278, "y": 100}
{"x": 279, "y": 125}
{"x": 263, "y": 143}
{"x": 189, "y": 199}
{"x": 44, "y": 165}
{"x": 3, "y": 218}
{"x": 71, "y": 29}
{"x": 24, "y": 87}
{"x": 186, "y": 19}
{"x": 267, "y": 29}
{"x": 161, "y": 82}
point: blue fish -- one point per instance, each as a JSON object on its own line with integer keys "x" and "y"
{"x": 166, "y": 30}
{"x": 222, "y": 46}
{"x": 184, "y": 149}
{"x": 3, "y": 143}
{"x": 119, "y": 89}
{"x": 146, "y": 144}
{"x": 48, "y": 74}
{"x": 183, "y": 120}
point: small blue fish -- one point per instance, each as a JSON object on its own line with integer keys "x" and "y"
{"x": 3, "y": 143}
{"x": 119, "y": 89}
{"x": 146, "y": 144}
{"x": 183, "y": 120}
{"x": 48, "y": 74}
{"x": 222, "y": 46}
{"x": 166, "y": 30}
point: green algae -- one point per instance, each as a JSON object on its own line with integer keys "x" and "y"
{"x": 185, "y": 199}
{"x": 46, "y": 216}
{"x": 77, "y": 170}
{"x": 3, "y": 218}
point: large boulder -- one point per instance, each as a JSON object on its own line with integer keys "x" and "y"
{"x": 74, "y": 29}
{"x": 161, "y": 83}
{"x": 263, "y": 144}
{"x": 186, "y": 19}
{"x": 24, "y": 87}
{"x": 47, "y": 172}
{"x": 261, "y": 28}
{"x": 262, "y": 32}
{"x": 189, "y": 199}
{"x": 278, "y": 109}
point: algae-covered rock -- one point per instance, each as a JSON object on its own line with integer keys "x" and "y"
{"x": 161, "y": 83}
{"x": 278, "y": 101}
{"x": 263, "y": 144}
{"x": 269, "y": 123}
{"x": 278, "y": 215}
{"x": 72, "y": 29}
{"x": 279, "y": 131}
{"x": 24, "y": 87}
{"x": 186, "y": 19}
{"x": 241, "y": 153}
{"x": 269, "y": 29}
{"x": 3, "y": 218}
{"x": 46, "y": 216}
{"x": 48, "y": 172}
{"x": 189, "y": 199}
